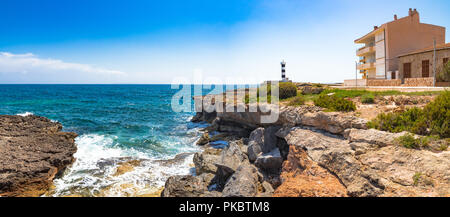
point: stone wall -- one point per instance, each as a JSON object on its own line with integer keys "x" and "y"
{"x": 418, "y": 82}
{"x": 383, "y": 82}
{"x": 352, "y": 83}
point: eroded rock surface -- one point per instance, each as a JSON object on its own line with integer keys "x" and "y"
{"x": 33, "y": 151}
{"x": 369, "y": 164}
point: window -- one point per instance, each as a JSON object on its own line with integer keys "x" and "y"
{"x": 393, "y": 75}
{"x": 406, "y": 70}
{"x": 425, "y": 68}
{"x": 444, "y": 61}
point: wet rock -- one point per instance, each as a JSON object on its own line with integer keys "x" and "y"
{"x": 33, "y": 151}
{"x": 184, "y": 186}
{"x": 127, "y": 166}
{"x": 243, "y": 183}
{"x": 204, "y": 139}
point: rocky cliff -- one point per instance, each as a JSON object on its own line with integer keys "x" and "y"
{"x": 309, "y": 153}
{"x": 33, "y": 151}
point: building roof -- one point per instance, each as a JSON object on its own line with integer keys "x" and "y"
{"x": 371, "y": 33}
{"x": 428, "y": 49}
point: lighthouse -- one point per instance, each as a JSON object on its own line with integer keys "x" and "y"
{"x": 283, "y": 72}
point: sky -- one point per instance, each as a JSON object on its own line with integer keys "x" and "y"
{"x": 209, "y": 41}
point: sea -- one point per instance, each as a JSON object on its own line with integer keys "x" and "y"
{"x": 130, "y": 139}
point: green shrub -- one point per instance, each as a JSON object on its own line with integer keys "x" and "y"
{"x": 334, "y": 103}
{"x": 416, "y": 178}
{"x": 409, "y": 141}
{"x": 297, "y": 101}
{"x": 368, "y": 98}
{"x": 433, "y": 119}
{"x": 437, "y": 115}
{"x": 287, "y": 90}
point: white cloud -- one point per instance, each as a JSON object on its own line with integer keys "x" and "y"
{"x": 29, "y": 63}
{"x": 29, "y": 68}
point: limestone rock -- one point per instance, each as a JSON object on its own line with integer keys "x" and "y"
{"x": 270, "y": 161}
{"x": 333, "y": 122}
{"x": 372, "y": 136}
{"x": 33, "y": 151}
{"x": 303, "y": 177}
{"x": 230, "y": 159}
{"x": 184, "y": 186}
{"x": 371, "y": 166}
{"x": 205, "y": 162}
{"x": 243, "y": 183}
{"x": 262, "y": 141}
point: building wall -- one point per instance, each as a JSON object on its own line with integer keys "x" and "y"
{"x": 380, "y": 55}
{"x": 407, "y": 34}
{"x": 416, "y": 62}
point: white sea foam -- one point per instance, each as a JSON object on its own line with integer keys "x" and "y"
{"x": 97, "y": 159}
{"x": 25, "y": 114}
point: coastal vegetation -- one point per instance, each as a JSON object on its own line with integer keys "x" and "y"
{"x": 334, "y": 103}
{"x": 297, "y": 101}
{"x": 368, "y": 98}
{"x": 433, "y": 119}
{"x": 286, "y": 90}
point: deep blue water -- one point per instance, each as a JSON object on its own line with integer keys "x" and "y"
{"x": 113, "y": 122}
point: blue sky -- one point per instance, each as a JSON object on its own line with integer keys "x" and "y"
{"x": 146, "y": 41}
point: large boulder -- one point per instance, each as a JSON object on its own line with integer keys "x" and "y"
{"x": 231, "y": 158}
{"x": 184, "y": 186}
{"x": 270, "y": 162}
{"x": 33, "y": 151}
{"x": 262, "y": 141}
{"x": 243, "y": 183}
{"x": 205, "y": 162}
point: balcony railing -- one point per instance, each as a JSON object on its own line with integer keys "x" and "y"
{"x": 367, "y": 65}
{"x": 365, "y": 50}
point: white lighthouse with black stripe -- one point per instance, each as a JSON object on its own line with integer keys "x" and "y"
{"x": 283, "y": 71}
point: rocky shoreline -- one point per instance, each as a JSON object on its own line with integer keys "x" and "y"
{"x": 33, "y": 152}
{"x": 307, "y": 153}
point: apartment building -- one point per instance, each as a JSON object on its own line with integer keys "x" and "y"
{"x": 379, "y": 55}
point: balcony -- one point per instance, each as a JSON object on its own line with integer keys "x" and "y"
{"x": 365, "y": 50}
{"x": 365, "y": 66}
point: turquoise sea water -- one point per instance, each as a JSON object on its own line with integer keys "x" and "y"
{"x": 116, "y": 124}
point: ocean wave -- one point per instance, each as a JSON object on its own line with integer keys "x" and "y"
{"x": 25, "y": 114}
{"x": 95, "y": 171}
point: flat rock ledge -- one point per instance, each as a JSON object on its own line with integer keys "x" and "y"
{"x": 33, "y": 151}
